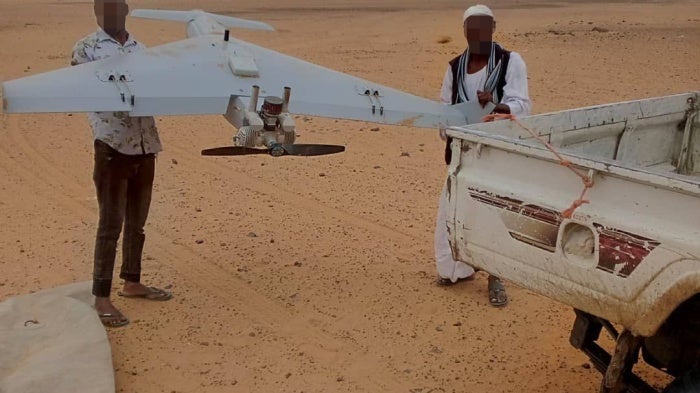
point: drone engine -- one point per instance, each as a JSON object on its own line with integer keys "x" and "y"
{"x": 278, "y": 126}
{"x": 271, "y": 127}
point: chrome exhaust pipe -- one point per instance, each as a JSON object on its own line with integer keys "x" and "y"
{"x": 253, "y": 105}
{"x": 287, "y": 94}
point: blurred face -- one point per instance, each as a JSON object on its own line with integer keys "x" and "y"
{"x": 478, "y": 30}
{"x": 111, "y": 15}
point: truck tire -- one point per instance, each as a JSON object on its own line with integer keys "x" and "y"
{"x": 687, "y": 383}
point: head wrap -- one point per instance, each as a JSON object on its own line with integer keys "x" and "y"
{"x": 477, "y": 10}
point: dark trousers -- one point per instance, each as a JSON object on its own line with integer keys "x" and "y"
{"x": 124, "y": 184}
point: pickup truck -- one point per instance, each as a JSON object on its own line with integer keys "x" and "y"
{"x": 619, "y": 240}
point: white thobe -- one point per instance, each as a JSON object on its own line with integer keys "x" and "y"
{"x": 515, "y": 95}
{"x": 515, "y": 92}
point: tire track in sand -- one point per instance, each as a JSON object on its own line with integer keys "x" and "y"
{"x": 205, "y": 274}
{"x": 244, "y": 181}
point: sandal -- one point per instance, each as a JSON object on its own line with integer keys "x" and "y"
{"x": 497, "y": 292}
{"x": 113, "y": 321}
{"x": 154, "y": 293}
{"x": 446, "y": 282}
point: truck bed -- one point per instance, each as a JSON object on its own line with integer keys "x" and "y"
{"x": 630, "y": 255}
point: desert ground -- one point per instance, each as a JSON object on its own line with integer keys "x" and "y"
{"x": 317, "y": 275}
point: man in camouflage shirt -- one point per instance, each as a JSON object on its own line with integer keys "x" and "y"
{"x": 125, "y": 152}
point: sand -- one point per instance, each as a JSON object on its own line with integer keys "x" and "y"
{"x": 317, "y": 275}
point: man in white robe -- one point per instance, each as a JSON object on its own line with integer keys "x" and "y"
{"x": 488, "y": 73}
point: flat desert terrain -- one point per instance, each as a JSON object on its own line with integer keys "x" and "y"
{"x": 317, "y": 275}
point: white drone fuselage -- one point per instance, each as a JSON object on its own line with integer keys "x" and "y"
{"x": 256, "y": 127}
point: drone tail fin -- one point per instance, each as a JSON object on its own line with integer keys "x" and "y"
{"x": 200, "y": 18}
{"x": 232, "y": 22}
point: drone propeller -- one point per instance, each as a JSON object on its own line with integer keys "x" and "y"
{"x": 233, "y": 151}
{"x": 307, "y": 150}
{"x": 304, "y": 150}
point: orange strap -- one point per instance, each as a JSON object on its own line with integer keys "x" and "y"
{"x": 587, "y": 181}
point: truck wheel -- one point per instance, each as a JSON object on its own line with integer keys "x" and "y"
{"x": 687, "y": 383}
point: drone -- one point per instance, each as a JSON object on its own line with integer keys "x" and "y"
{"x": 211, "y": 72}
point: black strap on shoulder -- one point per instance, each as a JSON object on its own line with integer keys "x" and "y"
{"x": 454, "y": 65}
{"x": 504, "y": 55}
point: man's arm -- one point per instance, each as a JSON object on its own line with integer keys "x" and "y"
{"x": 80, "y": 53}
{"x": 516, "y": 99}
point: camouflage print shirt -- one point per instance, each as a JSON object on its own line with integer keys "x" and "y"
{"x": 127, "y": 135}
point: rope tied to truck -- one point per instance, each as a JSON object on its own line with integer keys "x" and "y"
{"x": 587, "y": 180}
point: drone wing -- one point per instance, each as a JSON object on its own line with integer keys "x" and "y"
{"x": 201, "y": 75}
{"x": 184, "y": 77}
{"x": 320, "y": 91}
